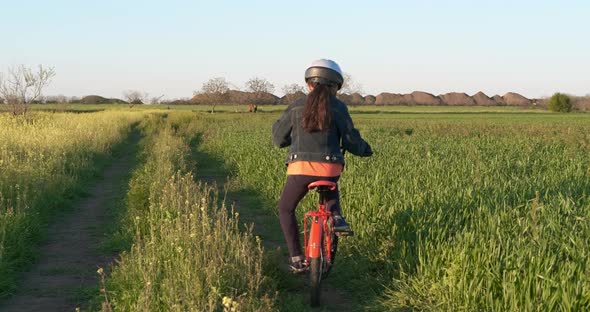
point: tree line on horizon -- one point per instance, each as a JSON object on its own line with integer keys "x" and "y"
{"x": 22, "y": 86}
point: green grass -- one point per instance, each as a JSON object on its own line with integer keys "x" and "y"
{"x": 189, "y": 252}
{"x": 291, "y": 295}
{"x": 46, "y": 162}
{"x": 464, "y": 212}
{"x": 460, "y": 209}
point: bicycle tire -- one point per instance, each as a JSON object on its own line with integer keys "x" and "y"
{"x": 328, "y": 268}
{"x": 316, "y": 268}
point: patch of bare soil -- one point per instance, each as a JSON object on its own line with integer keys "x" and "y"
{"x": 65, "y": 274}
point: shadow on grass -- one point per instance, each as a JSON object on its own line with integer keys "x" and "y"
{"x": 252, "y": 208}
{"x": 118, "y": 242}
{"x": 360, "y": 278}
{"x": 69, "y": 110}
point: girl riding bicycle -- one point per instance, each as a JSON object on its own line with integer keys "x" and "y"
{"x": 318, "y": 128}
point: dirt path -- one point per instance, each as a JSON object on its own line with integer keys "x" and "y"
{"x": 65, "y": 275}
{"x": 266, "y": 225}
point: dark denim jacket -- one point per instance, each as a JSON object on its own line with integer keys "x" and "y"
{"x": 320, "y": 146}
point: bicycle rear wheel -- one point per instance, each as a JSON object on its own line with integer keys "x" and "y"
{"x": 333, "y": 249}
{"x": 319, "y": 269}
{"x": 316, "y": 269}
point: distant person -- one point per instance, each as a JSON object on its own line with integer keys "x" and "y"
{"x": 255, "y": 108}
{"x": 315, "y": 127}
{"x": 251, "y": 108}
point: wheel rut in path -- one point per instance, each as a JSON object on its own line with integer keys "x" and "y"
{"x": 65, "y": 274}
{"x": 295, "y": 289}
{"x": 267, "y": 226}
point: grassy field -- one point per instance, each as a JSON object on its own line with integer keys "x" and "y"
{"x": 44, "y": 163}
{"x": 188, "y": 252}
{"x": 453, "y": 212}
{"x": 460, "y": 209}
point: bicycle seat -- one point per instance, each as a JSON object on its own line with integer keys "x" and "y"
{"x": 322, "y": 185}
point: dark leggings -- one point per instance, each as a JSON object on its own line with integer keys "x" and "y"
{"x": 294, "y": 191}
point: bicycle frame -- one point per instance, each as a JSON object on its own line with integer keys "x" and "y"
{"x": 314, "y": 247}
{"x": 320, "y": 240}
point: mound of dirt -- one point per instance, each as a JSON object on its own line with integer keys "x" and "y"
{"x": 119, "y": 101}
{"x": 290, "y": 98}
{"x": 386, "y": 98}
{"x": 423, "y": 98}
{"x": 370, "y": 99}
{"x": 581, "y": 103}
{"x": 199, "y": 98}
{"x": 414, "y": 98}
{"x": 498, "y": 100}
{"x": 356, "y": 99}
{"x": 344, "y": 97}
{"x": 240, "y": 97}
{"x": 94, "y": 99}
{"x": 457, "y": 99}
{"x": 481, "y": 99}
{"x": 515, "y": 99}
{"x": 351, "y": 99}
{"x": 97, "y": 99}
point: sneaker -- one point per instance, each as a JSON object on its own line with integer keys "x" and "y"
{"x": 298, "y": 265}
{"x": 340, "y": 224}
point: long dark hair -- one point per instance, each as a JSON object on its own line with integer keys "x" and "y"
{"x": 316, "y": 112}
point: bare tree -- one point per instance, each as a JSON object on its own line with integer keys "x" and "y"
{"x": 55, "y": 99}
{"x": 135, "y": 97}
{"x": 293, "y": 88}
{"x": 61, "y": 98}
{"x": 60, "y": 102}
{"x": 21, "y": 85}
{"x": 41, "y": 99}
{"x": 51, "y": 99}
{"x": 215, "y": 91}
{"x": 293, "y": 92}
{"x": 73, "y": 99}
{"x": 350, "y": 86}
{"x": 156, "y": 99}
{"x": 258, "y": 87}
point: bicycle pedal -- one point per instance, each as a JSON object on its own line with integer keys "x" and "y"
{"x": 344, "y": 233}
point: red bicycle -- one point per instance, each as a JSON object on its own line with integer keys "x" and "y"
{"x": 321, "y": 241}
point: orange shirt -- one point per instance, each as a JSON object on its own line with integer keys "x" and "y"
{"x": 314, "y": 168}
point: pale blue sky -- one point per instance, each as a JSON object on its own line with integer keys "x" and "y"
{"x": 172, "y": 47}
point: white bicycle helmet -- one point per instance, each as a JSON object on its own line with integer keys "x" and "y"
{"x": 324, "y": 71}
